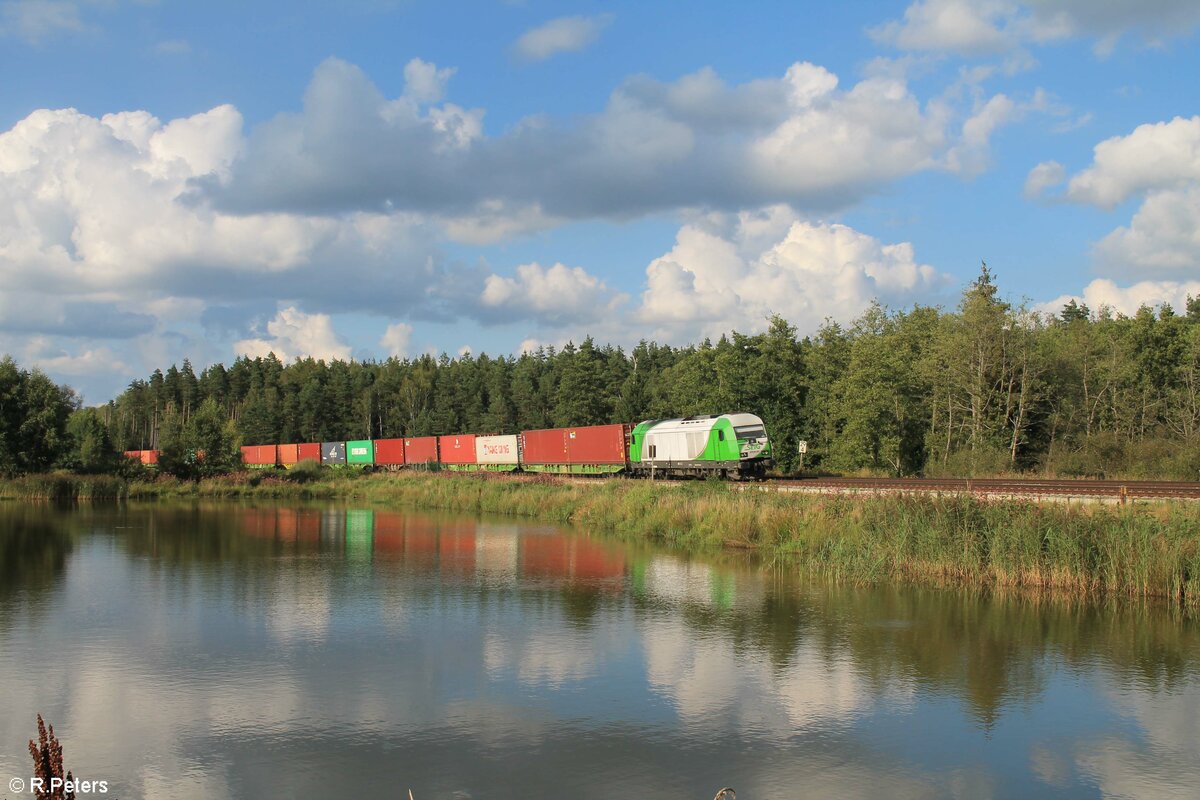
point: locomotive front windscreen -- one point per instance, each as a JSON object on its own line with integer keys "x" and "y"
{"x": 750, "y": 432}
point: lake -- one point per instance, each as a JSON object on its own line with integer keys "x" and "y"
{"x": 232, "y": 651}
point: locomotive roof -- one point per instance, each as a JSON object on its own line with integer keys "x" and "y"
{"x": 702, "y": 422}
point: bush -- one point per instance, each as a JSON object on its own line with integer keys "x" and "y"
{"x": 972, "y": 464}
{"x": 306, "y": 471}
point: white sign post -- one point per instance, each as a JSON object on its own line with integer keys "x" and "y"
{"x": 803, "y": 449}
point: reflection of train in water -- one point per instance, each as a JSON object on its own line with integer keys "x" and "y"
{"x": 456, "y": 545}
{"x": 721, "y": 445}
{"x": 499, "y": 554}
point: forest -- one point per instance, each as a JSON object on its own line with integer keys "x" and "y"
{"x": 986, "y": 388}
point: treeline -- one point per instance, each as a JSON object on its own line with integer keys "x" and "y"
{"x": 986, "y": 388}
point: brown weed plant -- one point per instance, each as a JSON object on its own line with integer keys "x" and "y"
{"x": 47, "y": 755}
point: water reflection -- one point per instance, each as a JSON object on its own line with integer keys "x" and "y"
{"x": 219, "y": 651}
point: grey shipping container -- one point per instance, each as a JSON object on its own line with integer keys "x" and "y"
{"x": 333, "y": 452}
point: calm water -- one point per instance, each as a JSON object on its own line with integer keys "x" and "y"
{"x": 235, "y": 652}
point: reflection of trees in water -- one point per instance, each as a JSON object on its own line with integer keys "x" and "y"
{"x": 989, "y": 650}
{"x": 35, "y": 541}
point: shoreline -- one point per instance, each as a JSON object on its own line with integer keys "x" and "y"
{"x": 1143, "y": 550}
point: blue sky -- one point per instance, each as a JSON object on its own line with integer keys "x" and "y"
{"x": 370, "y": 178}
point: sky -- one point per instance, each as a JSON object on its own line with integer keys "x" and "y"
{"x": 366, "y": 179}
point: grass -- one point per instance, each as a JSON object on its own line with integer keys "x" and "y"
{"x": 1133, "y": 551}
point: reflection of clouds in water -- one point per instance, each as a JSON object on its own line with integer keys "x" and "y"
{"x": 550, "y": 657}
{"x": 1167, "y": 762}
{"x": 496, "y": 548}
{"x": 679, "y": 581}
{"x": 711, "y": 676}
{"x": 827, "y": 776}
{"x": 184, "y": 785}
{"x": 298, "y": 609}
{"x": 118, "y": 713}
{"x": 1051, "y": 767}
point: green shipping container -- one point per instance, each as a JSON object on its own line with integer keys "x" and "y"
{"x": 360, "y": 452}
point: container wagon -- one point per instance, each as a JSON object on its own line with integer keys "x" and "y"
{"x": 261, "y": 456}
{"x": 421, "y": 451}
{"x": 389, "y": 453}
{"x": 588, "y": 450}
{"x": 361, "y": 453}
{"x": 333, "y": 453}
{"x": 498, "y": 453}
{"x": 148, "y": 457}
{"x": 457, "y": 452}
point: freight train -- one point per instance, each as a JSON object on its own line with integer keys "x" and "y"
{"x": 721, "y": 445}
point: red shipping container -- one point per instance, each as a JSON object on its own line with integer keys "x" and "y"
{"x": 598, "y": 444}
{"x": 544, "y": 447}
{"x": 593, "y": 444}
{"x": 389, "y": 451}
{"x": 458, "y": 449}
{"x": 144, "y": 456}
{"x": 309, "y": 452}
{"x": 289, "y": 454}
{"x": 421, "y": 450}
{"x": 260, "y": 455}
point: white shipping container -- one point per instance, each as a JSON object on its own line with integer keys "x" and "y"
{"x": 496, "y": 450}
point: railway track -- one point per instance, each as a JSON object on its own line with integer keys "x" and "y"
{"x": 1107, "y": 489}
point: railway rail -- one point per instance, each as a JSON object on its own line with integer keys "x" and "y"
{"x": 1025, "y": 487}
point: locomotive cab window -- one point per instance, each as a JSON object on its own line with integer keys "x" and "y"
{"x": 720, "y": 436}
{"x": 750, "y": 432}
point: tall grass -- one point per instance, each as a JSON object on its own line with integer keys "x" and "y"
{"x": 64, "y": 487}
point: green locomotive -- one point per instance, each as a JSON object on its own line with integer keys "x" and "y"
{"x": 720, "y": 445}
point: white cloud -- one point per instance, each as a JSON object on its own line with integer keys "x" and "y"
{"x": 1162, "y": 239}
{"x": 173, "y": 47}
{"x": 964, "y": 26}
{"x": 34, "y": 20}
{"x": 970, "y": 157}
{"x": 561, "y": 35}
{"x": 1163, "y": 155}
{"x": 89, "y": 361}
{"x": 1160, "y": 163}
{"x": 397, "y": 339}
{"x": 729, "y": 271}
{"x": 697, "y": 142}
{"x": 988, "y": 27}
{"x": 425, "y": 82}
{"x": 295, "y": 334}
{"x": 97, "y": 209}
{"x": 1126, "y": 300}
{"x": 554, "y": 295}
{"x": 1042, "y": 177}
